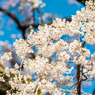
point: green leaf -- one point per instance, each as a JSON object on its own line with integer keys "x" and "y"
{"x": 39, "y": 92}
{"x": 2, "y": 69}
{"x": 52, "y": 19}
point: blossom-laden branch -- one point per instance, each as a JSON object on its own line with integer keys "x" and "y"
{"x": 66, "y": 53}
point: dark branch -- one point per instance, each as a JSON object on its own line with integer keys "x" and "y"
{"x": 13, "y": 17}
{"x": 7, "y": 12}
{"x": 82, "y": 1}
{"x": 40, "y": 15}
{"x": 20, "y": 26}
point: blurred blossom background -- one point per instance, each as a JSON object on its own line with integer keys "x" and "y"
{"x": 17, "y": 17}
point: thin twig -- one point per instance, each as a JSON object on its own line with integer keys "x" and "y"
{"x": 40, "y": 15}
{"x": 37, "y": 88}
{"x": 49, "y": 41}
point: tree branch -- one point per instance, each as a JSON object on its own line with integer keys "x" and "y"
{"x": 14, "y": 18}
{"x": 82, "y": 1}
{"x": 78, "y": 75}
{"x": 7, "y": 12}
{"x": 20, "y": 26}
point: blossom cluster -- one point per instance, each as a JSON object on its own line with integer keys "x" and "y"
{"x": 49, "y": 76}
{"x": 32, "y": 4}
{"x": 22, "y": 48}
